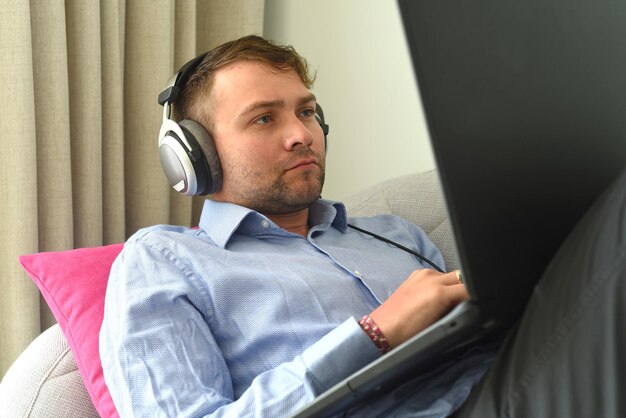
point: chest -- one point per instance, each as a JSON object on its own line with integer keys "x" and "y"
{"x": 280, "y": 282}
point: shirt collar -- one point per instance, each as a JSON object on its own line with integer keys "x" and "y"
{"x": 220, "y": 220}
{"x": 329, "y": 213}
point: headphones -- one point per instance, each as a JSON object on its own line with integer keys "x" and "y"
{"x": 186, "y": 150}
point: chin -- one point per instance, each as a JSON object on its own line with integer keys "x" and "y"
{"x": 293, "y": 200}
{"x": 298, "y": 202}
{"x": 281, "y": 197}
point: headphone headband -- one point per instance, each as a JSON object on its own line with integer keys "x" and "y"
{"x": 178, "y": 82}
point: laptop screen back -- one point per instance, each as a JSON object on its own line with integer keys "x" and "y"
{"x": 526, "y": 108}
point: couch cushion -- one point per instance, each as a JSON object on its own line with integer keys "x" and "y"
{"x": 73, "y": 283}
{"x": 44, "y": 381}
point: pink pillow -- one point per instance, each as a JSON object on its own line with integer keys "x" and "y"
{"x": 73, "y": 283}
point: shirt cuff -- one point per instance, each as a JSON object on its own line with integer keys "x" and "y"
{"x": 340, "y": 353}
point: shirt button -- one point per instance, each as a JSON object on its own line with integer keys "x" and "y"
{"x": 265, "y": 223}
{"x": 357, "y": 273}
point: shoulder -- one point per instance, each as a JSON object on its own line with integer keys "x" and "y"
{"x": 400, "y": 231}
{"x": 161, "y": 258}
{"x": 163, "y": 237}
{"x": 391, "y": 227}
{"x": 158, "y": 249}
{"x": 386, "y": 222}
{"x": 158, "y": 233}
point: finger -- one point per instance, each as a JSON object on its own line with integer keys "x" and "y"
{"x": 452, "y": 278}
{"x": 447, "y": 279}
{"x": 457, "y": 293}
{"x": 459, "y": 276}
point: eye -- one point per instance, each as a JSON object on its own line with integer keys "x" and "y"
{"x": 307, "y": 113}
{"x": 263, "y": 120}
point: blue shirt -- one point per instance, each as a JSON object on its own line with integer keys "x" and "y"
{"x": 242, "y": 318}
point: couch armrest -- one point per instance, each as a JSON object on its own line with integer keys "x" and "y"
{"x": 44, "y": 381}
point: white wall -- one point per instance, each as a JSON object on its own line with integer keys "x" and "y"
{"x": 365, "y": 84}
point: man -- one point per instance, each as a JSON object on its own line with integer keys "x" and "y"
{"x": 273, "y": 299}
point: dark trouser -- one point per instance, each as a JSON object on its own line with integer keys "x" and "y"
{"x": 567, "y": 358}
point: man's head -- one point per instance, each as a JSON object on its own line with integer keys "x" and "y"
{"x": 253, "y": 98}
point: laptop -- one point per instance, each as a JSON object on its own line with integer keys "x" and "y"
{"x": 526, "y": 110}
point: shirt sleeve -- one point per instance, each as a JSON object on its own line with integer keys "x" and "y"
{"x": 160, "y": 357}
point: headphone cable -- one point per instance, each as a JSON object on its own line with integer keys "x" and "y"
{"x": 395, "y": 244}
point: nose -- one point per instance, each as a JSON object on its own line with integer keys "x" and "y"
{"x": 297, "y": 133}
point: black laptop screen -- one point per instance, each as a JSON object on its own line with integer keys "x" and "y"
{"x": 526, "y": 108}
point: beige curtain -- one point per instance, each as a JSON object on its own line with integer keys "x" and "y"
{"x": 79, "y": 123}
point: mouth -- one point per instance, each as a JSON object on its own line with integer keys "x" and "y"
{"x": 303, "y": 164}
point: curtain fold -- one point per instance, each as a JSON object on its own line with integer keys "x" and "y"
{"x": 85, "y": 100}
{"x": 18, "y": 209}
{"x": 53, "y": 171}
{"x": 80, "y": 165}
{"x": 113, "y": 17}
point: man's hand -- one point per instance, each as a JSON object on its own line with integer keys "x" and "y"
{"x": 422, "y": 299}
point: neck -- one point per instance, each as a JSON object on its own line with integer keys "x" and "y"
{"x": 296, "y": 222}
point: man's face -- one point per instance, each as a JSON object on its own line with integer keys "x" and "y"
{"x": 271, "y": 147}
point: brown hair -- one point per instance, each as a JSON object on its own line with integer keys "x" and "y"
{"x": 249, "y": 48}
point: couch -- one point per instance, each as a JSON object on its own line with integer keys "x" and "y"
{"x": 45, "y": 380}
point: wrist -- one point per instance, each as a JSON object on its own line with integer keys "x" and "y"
{"x": 374, "y": 333}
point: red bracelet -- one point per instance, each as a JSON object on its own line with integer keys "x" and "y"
{"x": 375, "y": 334}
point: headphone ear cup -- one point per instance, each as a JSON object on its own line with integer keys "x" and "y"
{"x": 206, "y": 147}
{"x": 182, "y": 159}
{"x": 319, "y": 116}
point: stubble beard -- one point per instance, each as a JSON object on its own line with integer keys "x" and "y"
{"x": 281, "y": 196}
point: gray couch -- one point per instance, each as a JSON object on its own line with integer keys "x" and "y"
{"x": 44, "y": 381}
